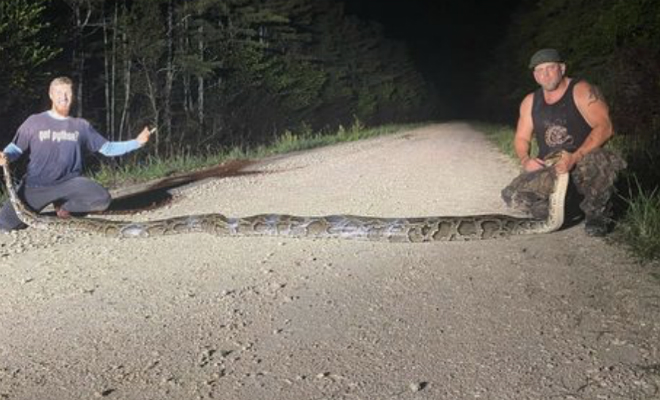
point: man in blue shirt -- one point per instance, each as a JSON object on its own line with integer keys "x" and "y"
{"x": 55, "y": 143}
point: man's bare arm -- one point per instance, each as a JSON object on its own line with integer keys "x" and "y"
{"x": 523, "y": 138}
{"x": 593, "y": 108}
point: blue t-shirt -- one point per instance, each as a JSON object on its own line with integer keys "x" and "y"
{"x": 56, "y": 147}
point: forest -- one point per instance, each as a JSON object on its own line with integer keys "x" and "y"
{"x": 214, "y": 74}
{"x": 611, "y": 43}
{"x": 208, "y": 74}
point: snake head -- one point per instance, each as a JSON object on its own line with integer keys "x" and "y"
{"x": 554, "y": 157}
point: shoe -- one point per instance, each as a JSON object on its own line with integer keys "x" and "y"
{"x": 62, "y": 213}
{"x": 596, "y": 226}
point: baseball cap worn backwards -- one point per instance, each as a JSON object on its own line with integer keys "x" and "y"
{"x": 544, "y": 56}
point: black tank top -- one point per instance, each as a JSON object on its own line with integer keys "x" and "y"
{"x": 558, "y": 126}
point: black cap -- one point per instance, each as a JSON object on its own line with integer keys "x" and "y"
{"x": 544, "y": 56}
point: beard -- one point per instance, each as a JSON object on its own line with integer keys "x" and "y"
{"x": 62, "y": 109}
{"x": 552, "y": 86}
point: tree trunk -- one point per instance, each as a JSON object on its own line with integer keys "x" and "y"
{"x": 169, "y": 74}
{"x": 127, "y": 86}
{"x": 154, "y": 107}
{"x": 106, "y": 83}
{"x": 78, "y": 56}
{"x": 113, "y": 78}
{"x": 200, "y": 85}
{"x": 109, "y": 66}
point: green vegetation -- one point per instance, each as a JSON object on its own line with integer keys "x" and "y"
{"x": 307, "y": 139}
{"x": 612, "y": 43}
{"x": 502, "y": 137}
{"x": 26, "y": 48}
{"x": 208, "y": 74}
{"x": 152, "y": 167}
{"x": 639, "y": 227}
{"x": 155, "y": 167}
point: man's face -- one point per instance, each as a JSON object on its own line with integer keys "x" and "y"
{"x": 62, "y": 96}
{"x": 549, "y": 75}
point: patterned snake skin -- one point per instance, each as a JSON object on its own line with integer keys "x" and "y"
{"x": 419, "y": 229}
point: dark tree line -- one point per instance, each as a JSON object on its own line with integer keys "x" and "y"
{"x": 612, "y": 43}
{"x": 25, "y": 51}
{"x": 208, "y": 73}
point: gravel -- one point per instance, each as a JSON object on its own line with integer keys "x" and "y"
{"x": 561, "y": 316}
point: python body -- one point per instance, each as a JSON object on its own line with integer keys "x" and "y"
{"x": 418, "y": 229}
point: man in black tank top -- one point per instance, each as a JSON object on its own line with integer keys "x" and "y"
{"x": 571, "y": 115}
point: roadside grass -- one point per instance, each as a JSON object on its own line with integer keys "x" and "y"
{"x": 502, "y": 137}
{"x": 148, "y": 168}
{"x": 137, "y": 168}
{"x": 153, "y": 167}
{"x": 142, "y": 169}
{"x": 639, "y": 226}
{"x": 306, "y": 139}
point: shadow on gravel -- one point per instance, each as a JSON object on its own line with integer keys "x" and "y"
{"x": 157, "y": 193}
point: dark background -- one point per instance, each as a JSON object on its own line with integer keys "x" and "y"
{"x": 450, "y": 41}
{"x": 457, "y": 59}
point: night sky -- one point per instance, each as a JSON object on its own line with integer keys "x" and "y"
{"x": 450, "y": 40}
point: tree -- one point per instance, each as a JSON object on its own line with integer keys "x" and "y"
{"x": 213, "y": 73}
{"x": 24, "y": 51}
{"x": 616, "y": 48}
{"x": 85, "y": 15}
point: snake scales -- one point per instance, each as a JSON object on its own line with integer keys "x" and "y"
{"x": 418, "y": 229}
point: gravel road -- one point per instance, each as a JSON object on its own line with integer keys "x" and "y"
{"x": 556, "y": 316}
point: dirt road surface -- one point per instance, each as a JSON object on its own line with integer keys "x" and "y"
{"x": 557, "y": 316}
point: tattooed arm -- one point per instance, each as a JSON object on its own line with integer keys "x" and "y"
{"x": 591, "y": 104}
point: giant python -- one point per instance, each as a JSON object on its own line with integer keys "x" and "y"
{"x": 417, "y": 229}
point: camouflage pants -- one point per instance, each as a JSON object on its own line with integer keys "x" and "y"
{"x": 593, "y": 179}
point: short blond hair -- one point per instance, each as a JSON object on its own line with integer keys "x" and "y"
{"x": 60, "y": 80}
